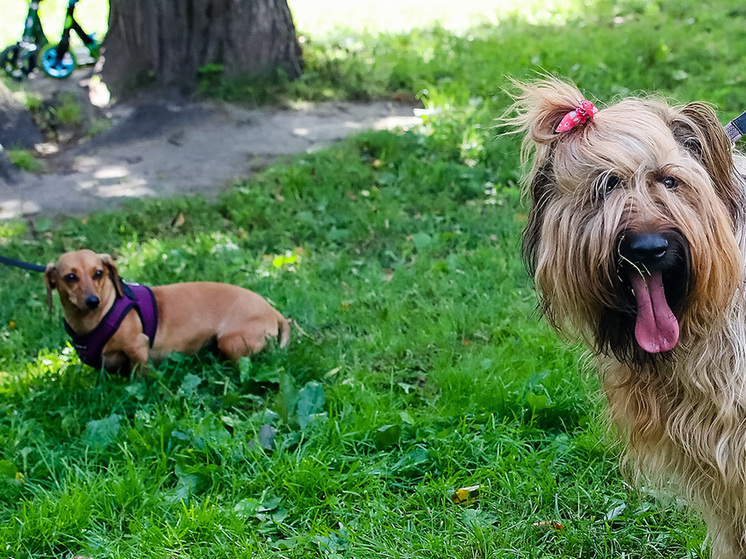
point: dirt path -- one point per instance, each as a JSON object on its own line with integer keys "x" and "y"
{"x": 161, "y": 149}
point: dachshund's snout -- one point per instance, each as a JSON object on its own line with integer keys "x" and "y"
{"x": 92, "y": 302}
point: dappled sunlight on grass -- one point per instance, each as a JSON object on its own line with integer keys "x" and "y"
{"x": 322, "y": 17}
{"x": 319, "y": 18}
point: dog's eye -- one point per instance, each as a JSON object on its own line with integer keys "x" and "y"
{"x": 98, "y": 274}
{"x": 671, "y": 183}
{"x": 70, "y": 278}
{"x": 608, "y": 184}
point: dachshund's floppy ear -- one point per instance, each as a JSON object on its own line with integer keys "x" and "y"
{"x": 50, "y": 278}
{"x": 108, "y": 263}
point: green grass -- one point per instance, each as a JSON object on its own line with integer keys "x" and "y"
{"x": 26, "y": 160}
{"x": 423, "y": 368}
{"x": 421, "y": 339}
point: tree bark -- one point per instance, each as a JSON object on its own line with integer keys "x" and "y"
{"x": 167, "y": 42}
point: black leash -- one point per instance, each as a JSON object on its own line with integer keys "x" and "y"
{"x": 736, "y": 128}
{"x": 21, "y": 264}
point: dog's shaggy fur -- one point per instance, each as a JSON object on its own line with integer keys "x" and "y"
{"x": 635, "y": 238}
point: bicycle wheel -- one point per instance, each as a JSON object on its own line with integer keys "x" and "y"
{"x": 54, "y": 68}
{"x": 13, "y": 64}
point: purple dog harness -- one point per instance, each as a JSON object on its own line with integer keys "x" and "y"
{"x": 90, "y": 346}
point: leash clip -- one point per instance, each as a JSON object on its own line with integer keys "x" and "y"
{"x": 736, "y": 128}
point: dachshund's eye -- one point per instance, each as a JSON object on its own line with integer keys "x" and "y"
{"x": 70, "y": 278}
{"x": 98, "y": 274}
{"x": 608, "y": 184}
{"x": 671, "y": 183}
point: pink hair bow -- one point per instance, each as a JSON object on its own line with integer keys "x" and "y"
{"x": 585, "y": 111}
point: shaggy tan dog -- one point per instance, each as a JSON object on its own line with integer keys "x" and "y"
{"x": 635, "y": 238}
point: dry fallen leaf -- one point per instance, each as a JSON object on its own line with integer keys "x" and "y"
{"x": 178, "y": 221}
{"x": 550, "y": 524}
{"x": 466, "y": 495}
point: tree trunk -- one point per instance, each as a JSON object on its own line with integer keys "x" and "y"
{"x": 167, "y": 42}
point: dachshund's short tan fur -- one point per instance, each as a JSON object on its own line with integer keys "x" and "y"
{"x": 189, "y": 314}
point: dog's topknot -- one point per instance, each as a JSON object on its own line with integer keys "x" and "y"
{"x": 539, "y": 107}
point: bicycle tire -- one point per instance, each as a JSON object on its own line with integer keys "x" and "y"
{"x": 9, "y": 63}
{"x": 53, "y": 69}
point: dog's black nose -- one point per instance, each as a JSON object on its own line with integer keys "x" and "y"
{"x": 92, "y": 302}
{"x": 647, "y": 249}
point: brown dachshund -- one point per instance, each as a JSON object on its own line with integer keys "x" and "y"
{"x": 115, "y": 325}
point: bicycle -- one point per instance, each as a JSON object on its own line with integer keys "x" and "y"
{"x": 58, "y": 61}
{"x": 20, "y": 59}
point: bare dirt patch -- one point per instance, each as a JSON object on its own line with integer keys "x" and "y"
{"x": 160, "y": 147}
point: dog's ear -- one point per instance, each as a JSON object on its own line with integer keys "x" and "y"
{"x": 108, "y": 263}
{"x": 50, "y": 279}
{"x": 697, "y": 128}
{"x": 538, "y": 108}
{"x": 540, "y": 184}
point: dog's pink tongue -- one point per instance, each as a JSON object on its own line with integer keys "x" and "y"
{"x": 657, "y": 329}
